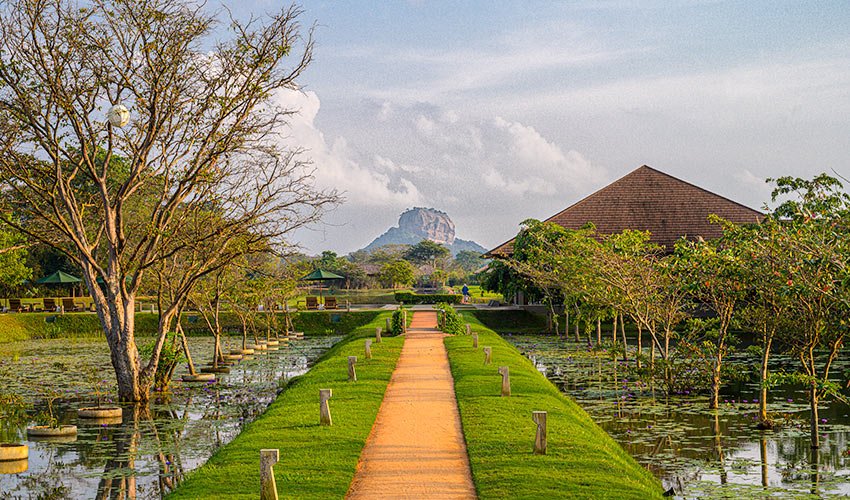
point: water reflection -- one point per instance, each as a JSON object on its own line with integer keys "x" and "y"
{"x": 145, "y": 453}
{"x": 697, "y": 451}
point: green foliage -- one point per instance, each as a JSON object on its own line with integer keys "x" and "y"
{"x": 582, "y": 460}
{"x": 452, "y": 323}
{"x": 397, "y": 322}
{"x": 426, "y": 251}
{"x": 315, "y": 461}
{"x": 436, "y": 298}
{"x": 13, "y": 256}
{"x": 397, "y": 273}
{"x": 469, "y": 260}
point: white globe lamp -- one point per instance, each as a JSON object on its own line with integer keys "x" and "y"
{"x": 118, "y": 115}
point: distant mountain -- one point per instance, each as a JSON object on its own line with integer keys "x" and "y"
{"x": 417, "y": 224}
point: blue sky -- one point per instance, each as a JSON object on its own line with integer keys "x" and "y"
{"x": 499, "y": 111}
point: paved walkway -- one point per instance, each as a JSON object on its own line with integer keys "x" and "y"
{"x": 416, "y": 448}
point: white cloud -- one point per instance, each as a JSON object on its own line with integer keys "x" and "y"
{"x": 336, "y": 166}
{"x": 486, "y": 170}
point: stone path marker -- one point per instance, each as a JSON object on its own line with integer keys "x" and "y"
{"x": 378, "y": 334}
{"x": 475, "y": 340}
{"x": 468, "y": 329}
{"x": 324, "y": 408}
{"x": 352, "y": 375}
{"x": 506, "y": 381}
{"x": 368, "y": 348}
{"x": 389, "y": 327}
{"x": 539, "y": 418}
{"x": 268, "y": 488}
{"x": 416, "y": 448}
{"x": 488, "y": 355}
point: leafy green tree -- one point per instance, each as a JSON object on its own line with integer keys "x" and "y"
{"x": 711, "y": 273}
{"x": 645, "y": 286}
{"x": 811, "y": 230}
{"x": 427, "y": 252}
{"x": 13, "y": 258}
{"x": 397, "y": 274}
{"x": 469, "y": 260}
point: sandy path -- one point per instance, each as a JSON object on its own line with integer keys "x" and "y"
{"x": 416, "y": 447}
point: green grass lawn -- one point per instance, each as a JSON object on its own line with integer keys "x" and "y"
{"x": 582, "y": 460}
{"x": 315, "y": 461}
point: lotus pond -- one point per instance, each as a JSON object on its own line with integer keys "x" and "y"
{"x": 698, "y": 452}
{"x": 144, "y": 454}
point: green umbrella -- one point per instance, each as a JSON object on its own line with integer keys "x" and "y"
{"x": 320, "y": 275}
{"x": 58, "y": 278}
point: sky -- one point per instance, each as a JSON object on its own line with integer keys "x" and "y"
{"x": 500, "y": 111}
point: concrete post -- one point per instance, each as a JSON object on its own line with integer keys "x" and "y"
{"x": 506, "y": 381}
{"x": 324, "y": 408}
{"x": 539, "y": 418}
{"x": 268, "y": 488}
{"x": 352, "y": 375}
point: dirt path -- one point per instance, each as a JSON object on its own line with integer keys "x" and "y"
{"x": 416, "y": 447}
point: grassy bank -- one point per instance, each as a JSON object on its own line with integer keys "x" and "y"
{"x": 582, "y": 460}
{"x": 315, "y": 461}
{"x": 25, "y": 326}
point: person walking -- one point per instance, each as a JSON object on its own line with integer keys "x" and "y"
{"x": 465, "y": 292}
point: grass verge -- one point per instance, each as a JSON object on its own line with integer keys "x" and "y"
{"x": 25, "y": 326}
{"x": 315, "y": 461}
{"x": 582, "y": 461}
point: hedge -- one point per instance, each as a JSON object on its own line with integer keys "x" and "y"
{"x": 415, "y": 298}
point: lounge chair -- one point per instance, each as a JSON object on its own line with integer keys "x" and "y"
{"x": 330, "y": 303}
{"x": 15, "y": 305}
{"x": 50, "y": 305}
{"x": 312, "y": 303}
{"x": 70, "y": 306}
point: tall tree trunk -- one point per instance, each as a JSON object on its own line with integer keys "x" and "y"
{"x": 614, "y": 329}
{"x": 625, "y": 343}
{"x": 765, "y": 355}
{"x": 118, "y": 321}
{"x": 566, "y": 321}
{"x": 186, "y": 349}
{"x": 714, "y": 401}
{"x": 813, "y": 400}
{"x": 639, "y": 344}
{"x": 598, "y": 331}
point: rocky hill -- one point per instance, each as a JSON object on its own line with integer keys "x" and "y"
{"x": 417, "y": 224}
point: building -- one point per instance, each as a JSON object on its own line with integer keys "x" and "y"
{"x": 649, "y": 200}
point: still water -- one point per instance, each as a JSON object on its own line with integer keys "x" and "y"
{"x": 151, "y": 449}
{"x": 698, "y": 452}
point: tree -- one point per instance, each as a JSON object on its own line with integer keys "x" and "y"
{"x": 711, "y": 273}
{"x": 811, "y": 230}
{"x": 426, "y": 252}
{"x": 13, "y": 258}
{"x": 470, "y": 261}
{"x": 200, "y": 148}
{"x": 398, "y": 274}
{"x": 646, "y": 287}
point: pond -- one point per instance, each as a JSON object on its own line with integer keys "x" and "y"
{"x": 151, "y": 449}
{"x": 698, "y": 452}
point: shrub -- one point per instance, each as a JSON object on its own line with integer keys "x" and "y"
{"x": 415, "y": 298}
{"x": 452, "y": 324}
{"x": 397, "y": 323}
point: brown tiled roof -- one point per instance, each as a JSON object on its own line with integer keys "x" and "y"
{"x": 649, "y": 200}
